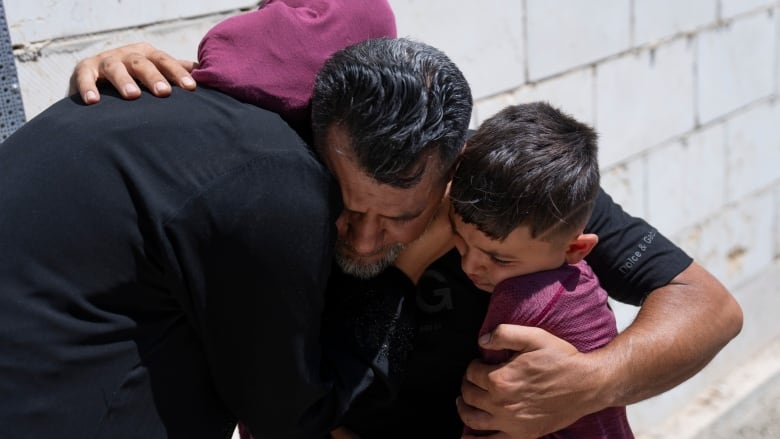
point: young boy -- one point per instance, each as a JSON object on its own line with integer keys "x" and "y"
{"x": 521, "y": 196}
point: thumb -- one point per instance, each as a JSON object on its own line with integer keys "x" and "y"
{"x": 516, "y": 338}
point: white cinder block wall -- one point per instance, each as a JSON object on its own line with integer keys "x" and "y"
{"x": 683, "y": 94}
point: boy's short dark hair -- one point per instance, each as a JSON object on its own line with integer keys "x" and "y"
{"x": 531, "y": 165}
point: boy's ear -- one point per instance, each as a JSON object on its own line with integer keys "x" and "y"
{"x": 580, "y": 246}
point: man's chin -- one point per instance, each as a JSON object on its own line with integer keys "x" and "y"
{"x": 366, "y": 268}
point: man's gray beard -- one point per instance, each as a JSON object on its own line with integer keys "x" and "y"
{"x": 361, "y": 270}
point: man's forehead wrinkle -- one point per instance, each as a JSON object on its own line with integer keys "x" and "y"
{"x": 367, "y": 194}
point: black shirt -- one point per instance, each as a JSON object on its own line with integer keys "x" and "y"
{"x": 162, "y": 273}
{"x": 631, "y": 260}
{"x": 163, "y": 267}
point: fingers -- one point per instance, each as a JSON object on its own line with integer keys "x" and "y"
{"x": 472, "y": 416}
{"x": 103, "y": 66}
{"x": 516, "y": 338}
{"x": 185, "y": 80}
{"x": 83, "y": 81}
{"x": 483, "y": 423}
{"x": 119, "y": 75}
{"x": 476, "y": 398}
{"x": 477, "y": 377}
{"x": 158, "y": 70}
{"x": 122, "y": 66}
{"x": 107, "y": 65}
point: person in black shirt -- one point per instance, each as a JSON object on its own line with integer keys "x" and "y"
{"x": 164, "y": 265}
{"x": 666, "y": 344}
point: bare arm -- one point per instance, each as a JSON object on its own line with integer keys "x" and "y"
{"x": 678, "y": 330}
{"x": 155, "y": 69}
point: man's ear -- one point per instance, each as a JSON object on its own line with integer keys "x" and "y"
{"x": 580, "y": 246}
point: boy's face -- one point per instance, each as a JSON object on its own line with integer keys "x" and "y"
{"x": 487, "y": 262}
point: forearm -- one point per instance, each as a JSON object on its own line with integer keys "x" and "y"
{"x": 678, "y": 330}
{"x": 549, "y": 385}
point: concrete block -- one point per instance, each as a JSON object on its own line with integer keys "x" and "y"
{"x": 730, "y": 8}
{"x": 777, "y": 51}
{"x": 625, "y": 183}
{"x": 643, "y": 99}
{"x": 566, "y": 34}
{"x": 624, "y": 313}
{"x": 753, "y": 139}
{"x": 759, "y": 299}
{"x": 686, "y": 179}
{"x": 735, "y": 65}
{"x": 572, "y": 92}
{"x": 776, "y": 216}
{"x": 484, "y": 39}
{"x": 742, "y": 404}
{"x": 486, "y": 107}
{"x": 734, "y": 245}
{"x": 657, "y": 19}
{"x": 40, "y": 20}
{"x": 723, "y": 400}
{"x": 700, "y": 405}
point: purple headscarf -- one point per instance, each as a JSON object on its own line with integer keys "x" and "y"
{"x": 270, "y": 57}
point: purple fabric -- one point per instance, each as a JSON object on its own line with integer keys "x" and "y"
{"x": 270, "y": 57}
{"x": 569, "y": 303}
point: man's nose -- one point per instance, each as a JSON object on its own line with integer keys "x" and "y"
{"x": 363, "y": 233}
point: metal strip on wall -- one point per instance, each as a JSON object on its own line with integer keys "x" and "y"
{"x": 11, "y": 107}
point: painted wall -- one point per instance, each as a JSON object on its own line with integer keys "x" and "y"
{"x": 683, "y": 94}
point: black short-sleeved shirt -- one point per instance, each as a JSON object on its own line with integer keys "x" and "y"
{"x": 631, "y": 260}
{"x": 163, "y": 268}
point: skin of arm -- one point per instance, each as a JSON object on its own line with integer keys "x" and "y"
{"x": 550, "y": 384}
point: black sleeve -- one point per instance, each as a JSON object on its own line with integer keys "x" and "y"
{"x": 257, "y": 266}
{"x": 632, "y": 258}
{"x": 255, "y": 254}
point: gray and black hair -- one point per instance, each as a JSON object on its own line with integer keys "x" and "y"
{"x": 400, "y": 101}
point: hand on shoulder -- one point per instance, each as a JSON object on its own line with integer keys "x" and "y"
{"x": 123, "y": 65}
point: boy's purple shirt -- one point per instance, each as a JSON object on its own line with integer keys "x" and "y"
{"x": 570, "y": 303}
{"x": 567, "y": 302}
